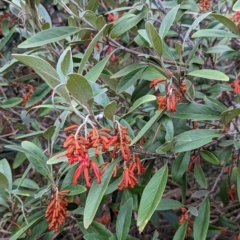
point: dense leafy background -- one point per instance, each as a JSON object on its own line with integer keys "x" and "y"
{"x": 95, "y": 64}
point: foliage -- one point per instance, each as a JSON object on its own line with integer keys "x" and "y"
{"x": 118, "y": 120}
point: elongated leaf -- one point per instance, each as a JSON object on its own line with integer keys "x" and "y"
{"x": 124, "y": 219}
{"x": 193, "y": 139}
{"x": 147, "y": 126}
{"x": 214, "y": 33}
{"x": 37, "y": 158}
{"x": 96, "y": 194}
{"x": 151, "y": 197}
{"x": 45, "y": 71}
{"x": 49, "y": 36}
{"x": 110, "y": 110}
{"x": 129, "y": 69}
{"x": 236, "y": 6}
{"x": 180, "y": 165}
{"x": 209, "y": 157}
{"x": 4, "y": 181}
{"x": 6, "y": 39}
{"x": 168, "y": 21}
{"x": 90, "y": 48}
{"x": 181, "y": 232}
{"x": 195, "y": 24}
{"x": 65, "y": 64}
{"x": 209, "y": 74}
{"x": 154, "y": 38}
{"x": 201, "y": 222}
{"x": 167, "y": 204}
{"x": 229, "y": 114}
{"x": 19, "y": 233}
{"x": 226, "y": 22}
{"x": 5, "y": 169}
{"x": 75, "y": 189}
{"x": 38, "y": 95}
{"x": 168, "y": 125}
{"x": 96, "y": 71}
{"x": 140, "y": 101}
{"x": 123, "y": 24}
{"x": 79, "y": 87}
{"x": 238, "y": 183}
{"x": 128, "y": 80}
{"x": 195, "y": 111}
{"x": 200, "y": 177}
{"x": 11, "y": 102}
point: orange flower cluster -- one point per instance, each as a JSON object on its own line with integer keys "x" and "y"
{"x": 29, "y": 90}
{"x": 172, "y": 97}
{"x": 77, "y": 151}
{"x": 236, "y": 86}
{"x": 204, "y": 5}
{"x": 186, "y": 217}
{"x": 56, "y": 210}
{"x": 105, "y": 219}
{"x": 129, "y": 172}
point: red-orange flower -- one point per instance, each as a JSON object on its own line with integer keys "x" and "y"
{"x": 156, "y": 81}
{"x": 236, "y": 86}
{"x": 128, "y": 180}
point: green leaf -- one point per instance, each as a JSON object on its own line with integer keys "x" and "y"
{"x": 90, "y": 48}
{"x": 128, "y": 80}
{"x": 168, "y": 21}
{"x": 49, "y": 36}
{"x": 229, "y": 114}
{"x": 238, "y": 182}
{"x": 123, "y": 222}
{"x": 96, "y": 194}
{"x": 5, "y": 169}
{"x": 110, "y": 110}
{"x": 7, "y": 38}
{"x": 236, "y": 6}
{"x": 146, "y": 98}
{"x": 37, "y": 158}
{"x": 48, "y": 133}
{"x": 96, "y": 71}
{"x": 154, "y": 38}
{"x": 226, "y": 22}
{"x": 195, "y": 111}
{"x": 201, "y": 222}
{"x": 3, "y": 181}
{"x": 127, "y": 22}
{"x": 151, "y": 197}
{"x": 209, "y": 157}
{"x": 209, "y": 74}
{"x": 79, "y": 88}
{"x": 193, "y": 139}
{"x": 74, "y": 189}
{"x": 11, "y": 102}
{"x": 23, "y": 230}
{"x": 129, "y": 69}
{"x": 181, "y": 232}
{"x": 219, "y": 49}
{"x": 45, "y": 71}
{"x": 168, "y": 125}
{"x": 214, "y": 33}
{"x": 27, "y": 183}
{"x": 199, "y": 176}
{"x": 214, "y": 104}
{"x": 195, "y": 24}
{"x": 168, "y": 204}
{"x": 180, "y": 165}
{"x": 65, "y": 64}
{"x": 60, "y": 157}
{"x": 38, "y": 95}
{"x": 148, "y": 125}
